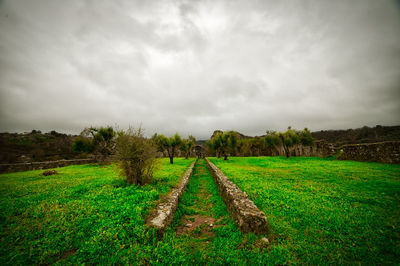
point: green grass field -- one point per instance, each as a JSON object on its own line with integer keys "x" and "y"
{"x": 324, "y": 211}
{"x": 88, "y": 214}
{"x": 320, "y": 211}
{"x": 85, "y": 214}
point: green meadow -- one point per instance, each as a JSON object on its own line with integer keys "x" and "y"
{"x": 87, "y": 214}
{"x": 84, "y": 214}
{"x": 321, "y": 211}
{"x": 324, "y": 211}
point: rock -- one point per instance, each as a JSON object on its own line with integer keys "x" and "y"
{"x": 243, "y": 211}
{"x": 188, "y": 225}
{"x": 165, "y": 211}
{"x": 50, "y": 172}
{"x": 211, "y": 225}
{"x": 265, "y": 240}
{"x": 24, "y": 159}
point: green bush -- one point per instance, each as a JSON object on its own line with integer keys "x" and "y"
{"x": 82, "y": 145}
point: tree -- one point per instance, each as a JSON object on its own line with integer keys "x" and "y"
{"x": 103, "y": 140}
{"x": 256, "y": 146}
{"x": 215, "y": 144}
{"x": 168, "y": 144}
{"x": 305, "y": 137}
{"x": 244, "y": 147}
{"x": 82, "y": 144}
{"x": 272, "y": 140}
{"x": 187, "y": 146}
{"x": 136, "y": 156}
{"x": 230, "y": 144}
{"x": 288, "y": 139}
{"x": 224, "y": 143}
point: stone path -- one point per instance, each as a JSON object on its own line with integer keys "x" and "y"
{"x": 203, "y": 232}
{"x": 201, "y": 209}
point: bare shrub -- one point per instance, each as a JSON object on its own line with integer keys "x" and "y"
{"x": 136, "y": 155}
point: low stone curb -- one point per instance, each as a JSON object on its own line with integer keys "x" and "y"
{"x": 165, "y": 211}
{"x": 243, "y": 211}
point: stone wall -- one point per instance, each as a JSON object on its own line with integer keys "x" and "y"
{"x": 165, "y": 211}
{"x": 384, "y": 152}
{"x": 16, "y": 167}
{"x": 243, "y": 211}
{"x": 319, "y": 148}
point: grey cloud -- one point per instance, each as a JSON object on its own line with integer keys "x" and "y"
{"x": 195, "y": 66}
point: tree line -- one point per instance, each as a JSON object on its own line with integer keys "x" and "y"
{"x": 102, "y": 142}
{"x": 229, "y": 143}
{"x": 136, "y": 154}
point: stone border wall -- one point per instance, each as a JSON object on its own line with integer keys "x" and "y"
{"x": 384, "y": 152}
{"x": 244, "y": 212}
{"x": 165, "y": 211}
{"x": 319, "y": 148}
{"x": 17, "y": 167}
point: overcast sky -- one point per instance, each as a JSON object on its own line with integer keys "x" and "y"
{"x": 196, "y": 66}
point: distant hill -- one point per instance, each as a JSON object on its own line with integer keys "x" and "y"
{"x": 359, "y": 135}
{"x": 35, "y": 146}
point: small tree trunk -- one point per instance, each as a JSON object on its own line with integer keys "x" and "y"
{"x": 171, "y": 156}
{"x": 225, "y": 157}
{"x": 187, "y": 156}
{"x": 287, "y": 151}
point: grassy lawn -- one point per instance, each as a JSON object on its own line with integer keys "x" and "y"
{"x": 324, "y": 211}
{"x": 320, "y": 211}
{"x": 84, "y": 214}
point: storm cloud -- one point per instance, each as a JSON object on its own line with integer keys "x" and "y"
{"x": 195, "y": 66}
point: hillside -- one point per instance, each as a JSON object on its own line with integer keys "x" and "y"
{"x": 359, "y": 135}
{"x": 35, "y": 146}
